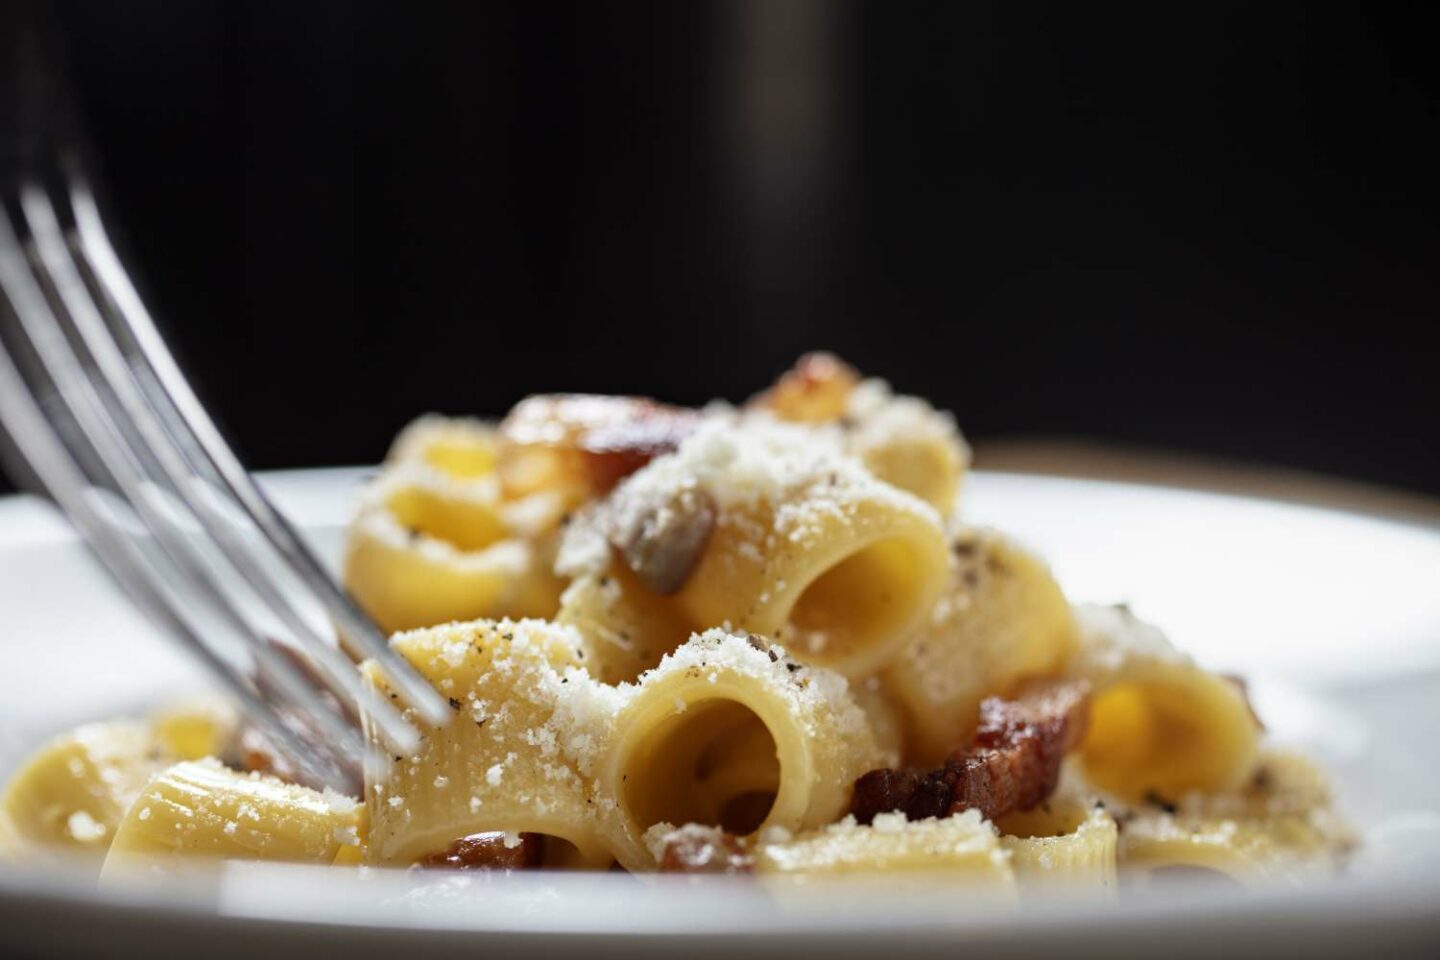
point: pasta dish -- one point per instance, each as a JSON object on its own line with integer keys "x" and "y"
{"x": 760, "y": 640}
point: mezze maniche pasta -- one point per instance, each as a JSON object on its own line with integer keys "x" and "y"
{"x": 761, "y": 640}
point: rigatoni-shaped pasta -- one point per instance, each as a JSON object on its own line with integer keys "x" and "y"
{"x": 1159, "y": 725}
{"x": 886, "y": 717}
{"x": 904, "y": 441}
{"x": 1278, "y": 827}
{"x": 461, "y": 459}
{"x": 74, "y": 791}
{"x": 920, "y": 853}
{"x": 770, "y": 528}
{"x": 628, "y": 626}
{"x": 204, "y": 809}
{"x": 426, "y": 549}
{"x": 1002, "y": 618}
{"x": 194, "y": 729}
{"x": 1063, "y": 847}
{"x": 730, "y": 731}
{"x": 461, "y": 448}
{"x": 508, "y": 759}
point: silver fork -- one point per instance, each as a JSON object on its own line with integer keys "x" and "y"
{"x": 96, "y": 405}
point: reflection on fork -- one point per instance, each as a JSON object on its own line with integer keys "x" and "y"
{"x": 102, "y": 415}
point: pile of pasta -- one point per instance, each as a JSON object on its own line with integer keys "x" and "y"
{"x": 737, "y": 640}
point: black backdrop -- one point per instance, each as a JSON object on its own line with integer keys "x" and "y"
{"x": 1204, "y": 227}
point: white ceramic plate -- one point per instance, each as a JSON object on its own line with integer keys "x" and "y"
{"x": 1334, "y": 617}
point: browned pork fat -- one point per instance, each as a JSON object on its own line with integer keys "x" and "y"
{"x": 596, "y": 441}
{"x": 1013, "y": 762}
{"x": 487, "y": 851}
{"x": 815, "y": 390}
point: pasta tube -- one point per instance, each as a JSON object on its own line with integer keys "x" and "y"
{"x": 628, "y": 627}
{"x": 460, "y": 448}
{"x": 907, "y": 853}
{"x": 1159, "y": 725}
{"x": 194, "y": 729}
{"x": 1278, "y": 827}
{"x": 73, "y": 793}
{"x": 202, "y": 808}
{"x": 771, "y": 529}
{"x": 886, "y": 717}
{"x": 509, "y": 760}
{"x": 1063, "y": 846}
{"x": 904, "y": 441}
{"x": 908, "y": 443}
{"x": 728, "y": 731}
{"x": 1001, "y": 619}
{"x": 423, "y": 550}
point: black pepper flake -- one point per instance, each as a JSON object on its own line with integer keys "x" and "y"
{"x": 605, "y": 581}
{"x": 398, "y": 759}
{"x": 1154, "y": 798}
{"x": 481, "y": 721}
{"x": 454, "y": 704}
{"x": 564, "y": 679}
{"x": 791, "y": 665}
{"x": 507, "y": 637}
{"x": 774, "y": 657}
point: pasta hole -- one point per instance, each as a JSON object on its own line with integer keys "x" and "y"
{"x": 1046, "y": 820}
{"x": 713, "y": 763}
{"x": 465, "y": 524}
{"x": 463, "y": 461}
{"x": 557, "y": 853}
{"x": 743, "y": 813}
{"x": 865, "y": 598}
{"x": 1152, "y": 736}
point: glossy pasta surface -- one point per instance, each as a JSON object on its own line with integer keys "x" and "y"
{"x": 763, "y": 640}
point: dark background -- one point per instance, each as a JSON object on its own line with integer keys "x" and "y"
{"x": 1205, "y": 227}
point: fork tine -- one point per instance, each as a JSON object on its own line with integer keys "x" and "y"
{"x": 237, "y": 557}
{"x": 104, "y": 435}
{"x": 31, "y": 430}
{"x": 193, "y": 431}
{"x": 319, "y": 759}
{"x": 113, "y": 439}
